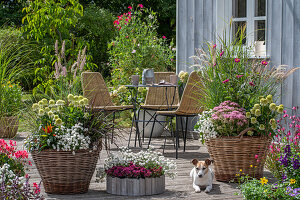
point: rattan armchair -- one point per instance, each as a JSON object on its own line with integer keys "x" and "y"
{"x": 159, "y": 98}
{"x": 190, "y": 106}
{"x": 95, "y": 89}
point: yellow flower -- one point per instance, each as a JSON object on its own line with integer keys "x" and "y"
{"x": 272, "y": 106}
{"x": 241, "y": 170}
{"x": 10, "y": 86}
{"x": 263, "y": 180}
{"x": 257, "y": 112}
{"x": 237, "y": 175}
{"x": 253, "y": 120}
{"x": 261, "y": 127}
{"x": 292, "y": 181}
{"x": 263, "y": 101}
{"x": 58, "y": 122}
{"x": 35, "y": 107}
{"x": 251, "y": 166}
{"x": 70, "y": 97}
{"x": 248, "y": 114}
{"x": 256, "y": 106}
{"x": 280, "y": 110}
{"x": 250, "y": 133}
{"x": 252, "y": 111}
{"x": 274, "y": 126}
{"x": 270, "y": 98}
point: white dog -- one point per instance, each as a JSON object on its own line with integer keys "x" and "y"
{"x": 202, "y": 175}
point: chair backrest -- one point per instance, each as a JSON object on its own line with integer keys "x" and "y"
{"x": 192, "y": 95}
{"x": 95, "y": 89}
{"x": 157, "y": 96}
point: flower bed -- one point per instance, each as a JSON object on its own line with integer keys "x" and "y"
{"x": 145, "y": 169}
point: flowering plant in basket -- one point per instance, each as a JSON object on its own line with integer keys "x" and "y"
{"x": 66, "y": 126}
{"x": 144, "y": 164}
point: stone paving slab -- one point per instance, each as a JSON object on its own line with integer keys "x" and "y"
{"x": 179, "y": 188}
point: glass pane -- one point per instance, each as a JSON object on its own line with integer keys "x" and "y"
{"x": 239, "y": 31}
{"x": 239, "y": 8}
{"x": 260, "y": 8}
{"x": 260, "y": 30}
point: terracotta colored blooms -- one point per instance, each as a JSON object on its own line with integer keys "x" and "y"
{"x": 264, "y": 62}
{"x": 237, "y": 60}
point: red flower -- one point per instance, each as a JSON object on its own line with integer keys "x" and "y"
{"x": 237, "y": 60}
{"x": 141, "y": 6}
{"x": 264, "y": 62}
{"x": 251, "y": 83}
{"x": 130, "y": 7}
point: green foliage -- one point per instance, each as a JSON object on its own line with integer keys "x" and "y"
{"x": 14, "y": 64}
{"x": 165, "y": 9}
{"x": 10, "y": 99}
{"x": 253, "y": 189}
{"x": 96, "y": 28}
{"x": 16, "y": 166}
{"x": 11, "y": 12}
{"x": 138, "y": 46}
{"x": 230, "y": 74}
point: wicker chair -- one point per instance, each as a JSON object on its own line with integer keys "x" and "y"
{"x": 158, "y": 98}
{"x": 189, "y": 106}
{"x": 95, "y": 89}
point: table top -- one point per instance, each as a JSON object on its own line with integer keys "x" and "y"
{"x": 151, "y": 85}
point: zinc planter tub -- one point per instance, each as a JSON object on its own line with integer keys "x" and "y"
{"x": 135, "y": 187}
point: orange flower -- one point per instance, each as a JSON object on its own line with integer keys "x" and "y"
{"x": 48, "y": 128}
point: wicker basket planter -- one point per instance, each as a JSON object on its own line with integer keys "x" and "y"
{"x": 9, "y": 126}
{"x": 65, "y": 173}
{"x": 135, "y": 187}
{"x": 230, "y": 154}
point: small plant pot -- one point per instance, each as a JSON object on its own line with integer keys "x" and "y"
{"x": 135, "y": 187}
{"x": 158, "y": 127}
{"x": 9, "y": 126}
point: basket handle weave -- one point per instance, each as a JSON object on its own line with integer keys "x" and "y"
{"x": 245, "y": 131}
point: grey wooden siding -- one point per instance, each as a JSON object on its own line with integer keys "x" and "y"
{"x": 196, "y": 24}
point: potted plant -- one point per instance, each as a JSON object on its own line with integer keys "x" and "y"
{"x": 239, "y": 121}
{"x": 136, "y": 174}
{"x": 65, "y": 143}
{"x": 10, "y": 103}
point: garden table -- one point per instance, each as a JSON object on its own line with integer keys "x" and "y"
{"x": 134, "y": 93}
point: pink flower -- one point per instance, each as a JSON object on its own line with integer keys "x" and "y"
{"x": 294, "y": 108}
{"x": 239, "y": 76}
{"x": 264, "y": 62}
{"x": 237, "y": 60}
{"x": 164, "y": 37}
{"x": 256, "y": 156}
{"x": 130, "y": 7}
{"x": 251, "y": 83}
{"x": 214, "y": 46}
{"x": 141, "y": 6}
{"x": 221, "y": 54}
{"x": 133, "y": 51}
{"x": 227, "y": 80}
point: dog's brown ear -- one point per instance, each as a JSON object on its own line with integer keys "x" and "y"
{"x": 208, "y": 162}
{"x": 194, "y": 161}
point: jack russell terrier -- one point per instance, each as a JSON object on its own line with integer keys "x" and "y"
{"x": 202, "y": 175}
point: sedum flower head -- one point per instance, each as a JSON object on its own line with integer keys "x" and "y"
{"x": 51, "y": 103}
{"x": 41, "y": 112}
{"x": 280, "y": 110}
{"x": 71, "y": 97}
{"x": 257, "y": 112}
{"x": 253, "y": 120}
{"x": 256, "y": 106}
{"x": 272, "y": 106}
{"x": 270, "y": 98}
{"x": 60, "y": 102}
{"x": 261, "y": 127}
{"x": 47, "y": 109}
{"x": 248, "y": 114}
{"x": 35, "y": 107}
{"x": 58, "y": 122}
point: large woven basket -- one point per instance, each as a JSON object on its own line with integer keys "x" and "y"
{"x": 232, "y": 154}
{"x": 9, "y": 126}
{"x": 65, "y": 173}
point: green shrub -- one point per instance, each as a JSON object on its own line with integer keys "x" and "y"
{"x": 96, "y": 29}
{"x": 138, "y": 46}
{"x": 10, "y": 99}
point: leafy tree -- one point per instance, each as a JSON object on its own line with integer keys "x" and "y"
{"x": 11, "y": 12}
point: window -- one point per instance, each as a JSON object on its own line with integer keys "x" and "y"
{"x": 250, "y": 15}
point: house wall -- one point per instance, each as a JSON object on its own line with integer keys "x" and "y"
{"x": 199, "y": 21}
